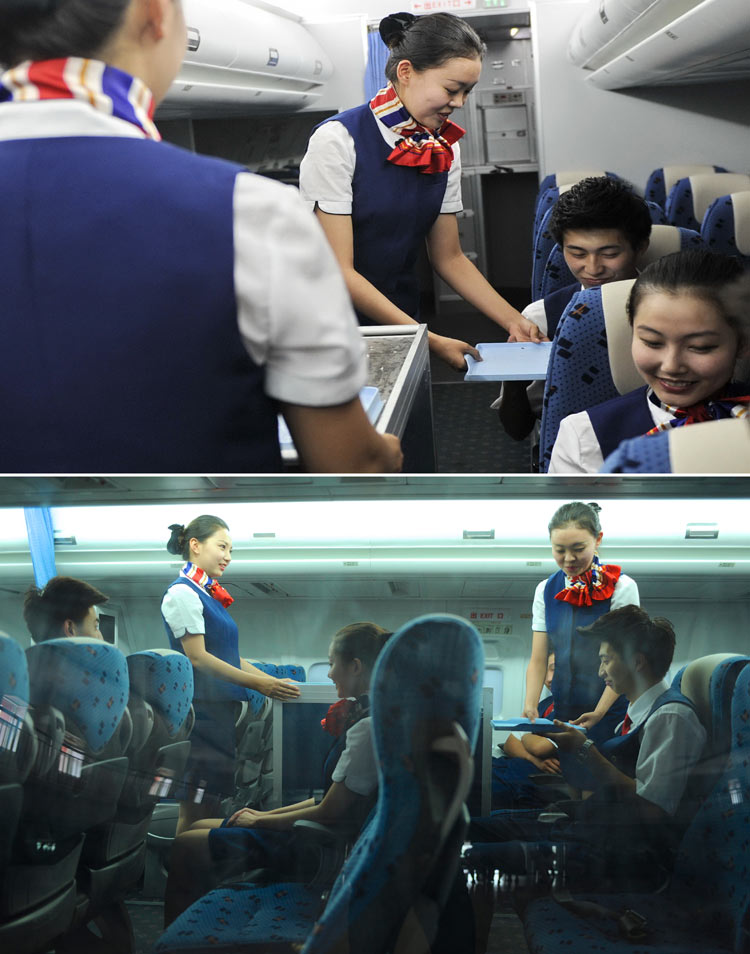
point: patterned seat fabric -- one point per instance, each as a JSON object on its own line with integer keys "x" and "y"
{"x": 648, "y": 454}
{"x": 690, "y": 197}
{"x": 662, "y": 179}
{"x": 726, "y": 226}
{"x": 163, "y": 678}
{"x": 428, "y": 677}
{"x": 17, "y": 740}
{"x": 579, "y": 373}
{"x": 544, "y": 243}
{"x": 707, "y": 903}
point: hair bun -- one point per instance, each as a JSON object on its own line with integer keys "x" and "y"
{"x": 177, "y": 540}
{"x": 393, "y": 27}
{"x": 595, "y": 507}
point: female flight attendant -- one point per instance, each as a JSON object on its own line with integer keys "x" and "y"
{"x": 385, "y": 176}
{"x": 265, "y": 839}
{"x": 136, "y": 274}
{"x": 194, "y": 610}
{"x": 582, "y": 590}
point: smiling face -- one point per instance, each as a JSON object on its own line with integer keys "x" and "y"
{"x": 345, "y": 674}
{"x": 431, "y": 95}
{"x": 615, "y": 671}
{"x": 214, "y": 554}
{"x": 683, "y": 347}
{"x": 598, "y": 256}
{"x": 573, "y": 548}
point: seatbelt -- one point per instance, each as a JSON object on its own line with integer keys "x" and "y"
{"x": 632, "y": 925}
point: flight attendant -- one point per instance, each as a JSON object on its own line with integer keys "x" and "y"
{"x": 581, "y": 591}
{"x": 166, "y": 305}
{"x": 198, "y": 624}
{"x": 385, "y": 176}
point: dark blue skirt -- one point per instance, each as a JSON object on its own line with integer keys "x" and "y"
{"x": 210, "y": 770}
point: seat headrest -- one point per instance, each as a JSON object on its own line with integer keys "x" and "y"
{"x": 164, "y": 679}
{"x": 614, "y": 301}
{"x": 569, "y": 177}
{"x": 741, "y": 211}
{"x": 709, "y": 186}
{"x": 672, "y": 174}
{"x": 86, "y": 679}
{"x": 716, "y": 447}
{"x": 14, "y": 672}
{"x": 663, "y": 240}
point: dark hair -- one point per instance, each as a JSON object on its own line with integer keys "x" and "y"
{"x": 428, "y": 42}
{"x": 52, "y": 29}
{"x": 631, "y": 629}
{"x": 360, "y": 641}
{"x": 601, "y": 202}
{"x": 735, "y": 305}
{"x": 583, "y": 515}
{"x": 45, "y": 610}
{"x": 201, "y": 529}
{"x": 696, "y": 272}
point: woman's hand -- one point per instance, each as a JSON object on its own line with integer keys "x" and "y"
{"x": 550, "y": 765}
{"x": 531, "y": 713}
{"x": 244, "y": 818}
{"x": 283, "y": 689}
{"x": 451, "y": 350}
{"x": 588, "y": 720}
{"x": 567, "y": 739}
{"x": 525, "y": 330}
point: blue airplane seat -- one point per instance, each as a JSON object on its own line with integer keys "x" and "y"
{"x": 691, "y": 196}
{"x": 662, "y": 179}
{"x": 567, "y": 177}
{"x": 79, "y": 691}
{"x": 425, "y": 702}
{"x": 544, "y": 242}
{"x": 590, "y": 360}
{"x": 726, "y": 226}
{"x": 705, "y": 907}
{"x": 18, "y": 743}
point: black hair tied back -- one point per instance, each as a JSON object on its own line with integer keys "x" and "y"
{"x": 393, "y": 27}
{"x": 176, "y": 542}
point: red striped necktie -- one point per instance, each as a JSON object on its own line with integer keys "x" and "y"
{"x": 626, "y": 723}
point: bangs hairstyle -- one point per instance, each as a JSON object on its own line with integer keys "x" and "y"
{"x": 583, "y": 515}
{"x": 601, "y": 202}
{"x": 630, "y": 630}
{"x": 360, "y": 641}
{"x": 429, "y": 41}
{"x": 699, "y": 274}
{"x": 201, "y": 529}
{"x": 55, "y": 29}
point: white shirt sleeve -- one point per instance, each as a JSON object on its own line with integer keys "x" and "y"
{"x": 673, "y": 740}
{"x": 452, "y": 200}
{"x": 534, "y": 312}
{"x": 293, "y": 309}
{"x": 576, "y": 449}
{"x": 538, "y": 612}
{"x": 356, "y": 765}
{"x": 181, "y": 607}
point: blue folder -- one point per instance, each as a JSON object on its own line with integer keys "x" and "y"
{"x": 509, "y": 361}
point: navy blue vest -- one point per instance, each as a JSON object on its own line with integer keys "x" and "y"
{"x": 619, "y": 418}
{"x": 394, "y": 207}
{"x": 576, "y": 685}
{"x": 221, "y": 639}
{"x": 556, "y": 303}
{"x": 121, "y": 350}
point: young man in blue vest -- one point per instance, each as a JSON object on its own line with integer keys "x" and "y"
{"x": 602, "y": 227}
{"x": 639, "y": 778}
{"x": 63, "y": 607}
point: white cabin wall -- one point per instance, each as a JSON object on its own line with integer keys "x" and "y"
{"x": 345, "y": 40}
{"x": 626, "y": 131}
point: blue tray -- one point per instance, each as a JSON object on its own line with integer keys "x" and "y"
{"x": 509, "y": 361}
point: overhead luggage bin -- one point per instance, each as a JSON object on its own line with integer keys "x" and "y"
{"x": 246, "y": 56}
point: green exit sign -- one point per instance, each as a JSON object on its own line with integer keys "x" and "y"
{"x": 491, "y": 4}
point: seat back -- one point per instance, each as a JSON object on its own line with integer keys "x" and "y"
{"x": 726, "y": 226}
{"x": 17, "y": 740}
{"x": 711, "y": 875}
{"x": 690, "y": 197}
{"x": 661, "y": 180}
{"x": 590, "y": 360}
{"x": 425, "y": 704}
{"x": 567, "y": 177}
{"x": 716, "y": 447}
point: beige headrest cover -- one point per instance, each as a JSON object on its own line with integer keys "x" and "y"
{"x": 706, "y": 188}
{"x": 696, "y": 680}
{"x": 569, "y": 177}
{"x": 714, "y": 447}
{"x": 614, "y": 299}
{"x": 663, "y": 240}
{"x": 741, "y": 206}
{"x": 673, "y": 173}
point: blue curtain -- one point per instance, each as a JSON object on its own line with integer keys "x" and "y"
{"x": 377, "y": 58}
{"x": 41, "y": 542}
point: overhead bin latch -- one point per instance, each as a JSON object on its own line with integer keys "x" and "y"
{"x": 193, "y": 39}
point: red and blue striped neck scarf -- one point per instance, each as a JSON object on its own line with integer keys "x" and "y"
{"x": 419, "y": 147}
{"x": 103, "y": 87}
{"x": 597, "y": 583}
{"x": 713, "y": 409}
{"x": 211, "y": 586}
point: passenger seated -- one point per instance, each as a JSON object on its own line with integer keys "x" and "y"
{"x": 639, "y": 808}
{"x": 250, "y": 838}
{"x": 602, "y": 227}
{"x": 686, "y": 342}
{"x": 512, "y": 785}
{"x": 63, "y": 607}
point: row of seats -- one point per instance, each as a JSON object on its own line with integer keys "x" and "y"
{"x": 712, "y": 205}
{"x": 425, "y": 705}
{"x": 89, "y": 741}
{"x": 706, "y": 906}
